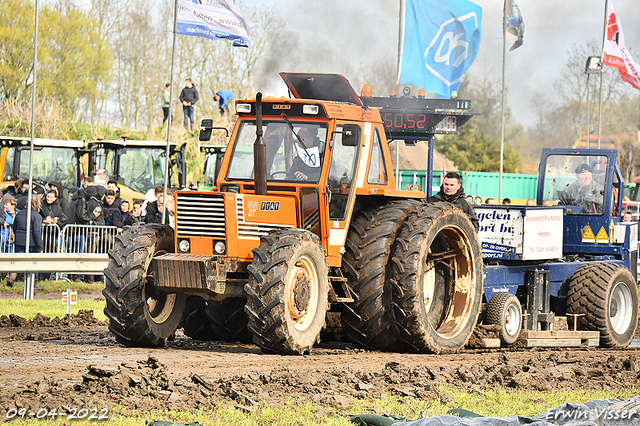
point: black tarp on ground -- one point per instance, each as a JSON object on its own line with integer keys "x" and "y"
{"x": 599, "y": 412}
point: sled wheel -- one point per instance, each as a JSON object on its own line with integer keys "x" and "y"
{"x": 505, "y": 310}
{"x": 607, "y": 296}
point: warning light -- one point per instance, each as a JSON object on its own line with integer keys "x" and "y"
{"x": 366, "y": 91}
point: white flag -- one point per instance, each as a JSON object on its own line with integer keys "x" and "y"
{"x": 615, "y": 54}
{"x": 214, "y": 19}
{"x": 82, "y": 4}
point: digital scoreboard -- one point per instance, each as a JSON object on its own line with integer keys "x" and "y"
{"x": 419, "y": 118}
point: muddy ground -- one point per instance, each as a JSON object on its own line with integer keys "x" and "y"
{"x": 76, "y": 362}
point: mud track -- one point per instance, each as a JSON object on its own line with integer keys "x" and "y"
{"x": 75, "y": 362}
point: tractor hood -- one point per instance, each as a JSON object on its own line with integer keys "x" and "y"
{"x": 323, "y": 87}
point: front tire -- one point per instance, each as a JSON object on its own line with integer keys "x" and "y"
{"x": 139, "y": 314}
{"x": 436, "y": 279}
{"x": 607, "y": 296}
{"x": 287, "y": 293}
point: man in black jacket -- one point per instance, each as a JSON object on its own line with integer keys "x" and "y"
{"x": 452, "y": 192}
{"x": 189, "y": 96}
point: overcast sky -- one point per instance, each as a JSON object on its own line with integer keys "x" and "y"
{"x": 343, "y": 35}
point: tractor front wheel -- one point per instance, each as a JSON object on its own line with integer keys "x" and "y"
{"x": 288, "y": 292}
{"x": 139, "y": 314}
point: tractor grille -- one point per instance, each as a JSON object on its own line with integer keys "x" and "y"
{"x": 253, "y": 229}
{"x": 200, "y": 215}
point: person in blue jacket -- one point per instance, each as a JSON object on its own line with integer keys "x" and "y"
{"x": 224, "y": 99}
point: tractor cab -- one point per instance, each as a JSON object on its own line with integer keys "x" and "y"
{"x": 138, "y": 166}
{"x": 53, "y": 160}
{"x": 588, "y": 183}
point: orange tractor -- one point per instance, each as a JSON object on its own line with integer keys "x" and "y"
{"x": 306, "y": 218}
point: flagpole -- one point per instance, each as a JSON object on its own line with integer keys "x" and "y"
{"x": 400, "y": 43}
{"x": 504, "y": 55}
{"x": 167, "y": 152}
{"x": 33, "y": 119}
{"x": 604, "y": 38}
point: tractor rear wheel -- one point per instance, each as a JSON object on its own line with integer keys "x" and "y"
{"x": 195, "y": 322}
{"x": 228, "y": 320}
{"x": 436, "y": 279}
{"x": 288, "y": 292}
{"x": 139, "y": 314}
{"x": 504, "y": 310}
{"x": 367, "y": 322}
{"x": 607, "y": 297}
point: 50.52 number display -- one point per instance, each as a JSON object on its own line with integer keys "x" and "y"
{"x": 418, "y": 122}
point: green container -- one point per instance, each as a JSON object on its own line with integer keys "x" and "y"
{"x": 479, "y": 184}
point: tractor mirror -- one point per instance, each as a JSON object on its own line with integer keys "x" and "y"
{"x": 206, "y": 126}
{"x": 351, "y": 135}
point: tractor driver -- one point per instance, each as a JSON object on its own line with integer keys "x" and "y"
{"x": 583, "y": 192}
{"x": 306, "y": 165}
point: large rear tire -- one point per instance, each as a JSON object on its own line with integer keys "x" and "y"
{"x": 195, "y": 322}
{"x": 229, "y": 320}
{"x": 504, "y": 310}
{"x": 287, "y": 293}
{"x": 607, "y": 297}
{"x": 139, "y": 314}
{"x": 436, "y": 279}
{"x": 367, "y": 322}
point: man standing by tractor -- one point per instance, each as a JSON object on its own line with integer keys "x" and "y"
{"x": 452, "y": 192}
{"x": 189, "y": 96}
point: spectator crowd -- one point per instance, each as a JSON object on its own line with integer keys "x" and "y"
{"x": 90, "y": 204}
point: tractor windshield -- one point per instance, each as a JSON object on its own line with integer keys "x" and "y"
{"x": 287, "y": 158}
{"x": 51, "y": 164}
{"x": 140, "y": 168}
{"x": 577, "y": 181}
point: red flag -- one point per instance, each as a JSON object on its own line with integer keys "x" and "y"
{"x": 615, "y": 54}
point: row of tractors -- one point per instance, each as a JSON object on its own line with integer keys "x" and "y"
{"x": 138, "y": 166}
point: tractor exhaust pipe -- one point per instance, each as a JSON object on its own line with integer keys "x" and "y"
{"x": 259, "y": 152}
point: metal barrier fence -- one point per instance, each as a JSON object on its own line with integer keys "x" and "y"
{"x": 87, "y": 239}
{"x": 71, "y": 239}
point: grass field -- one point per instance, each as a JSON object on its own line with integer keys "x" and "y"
{"x": 490, "y": 403}
{"x": 51, "y": 307}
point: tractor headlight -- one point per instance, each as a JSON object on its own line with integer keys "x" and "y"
{"x": 184, "y": 246}
{"x": 219, "y": 247}
{"x": 310, "y": 109}
{"x": 245, "y": 108}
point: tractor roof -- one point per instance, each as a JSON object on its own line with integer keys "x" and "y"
{"x": 323, "y": 87}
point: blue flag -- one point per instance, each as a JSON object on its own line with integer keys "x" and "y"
{"x": 441, "y": 41}
{"x": 214, "y": 19}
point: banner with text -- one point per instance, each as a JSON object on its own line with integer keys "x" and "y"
{"x": 219, "y": 19}
{"x": 615, "y": 53}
